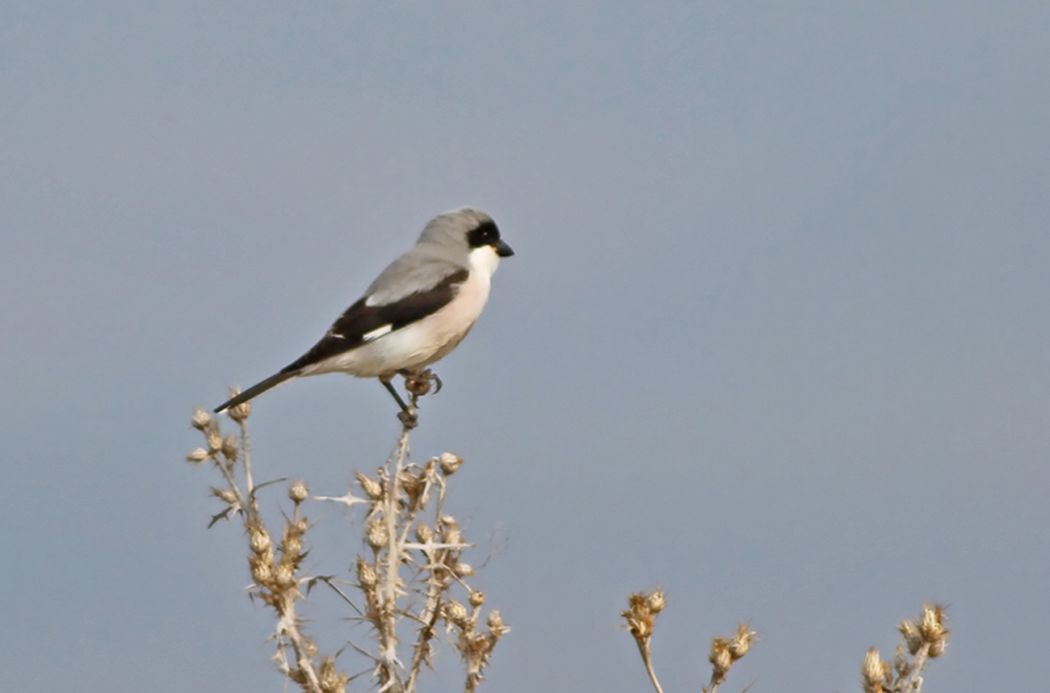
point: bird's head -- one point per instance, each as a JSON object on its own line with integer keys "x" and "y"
{"x": 471, "y": 235}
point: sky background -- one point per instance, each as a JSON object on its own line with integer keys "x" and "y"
{"x": 774, "y": 339}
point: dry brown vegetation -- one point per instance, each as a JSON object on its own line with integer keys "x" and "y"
{"x": 410, "y": 580}
{"x": 923, "y": 639}
{"x": 642, "y": 609}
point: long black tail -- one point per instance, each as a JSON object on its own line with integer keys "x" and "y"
{"x": 255, "y": 390}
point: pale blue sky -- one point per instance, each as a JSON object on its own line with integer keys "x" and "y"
{"x": 775, "y": 337}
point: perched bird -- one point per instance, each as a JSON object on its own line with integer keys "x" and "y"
{"x": 415, "y": 312}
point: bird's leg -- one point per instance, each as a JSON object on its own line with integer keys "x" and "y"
{"x": 393, "y": 393}
{"x": 407, "y": 415}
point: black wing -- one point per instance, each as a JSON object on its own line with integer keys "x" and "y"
{"x": 360, "y": 320}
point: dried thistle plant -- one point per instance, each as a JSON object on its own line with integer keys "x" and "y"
{"x": 273, "y": 569}
{"x": 922, "y": 639}
{"x": 725, "y": 652}
{"x": 641, "y": 620}
{"x": 407, "y": 577}
{"x": 640, "y": 615}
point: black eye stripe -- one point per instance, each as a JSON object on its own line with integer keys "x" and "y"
{"x": 485, "y": 233}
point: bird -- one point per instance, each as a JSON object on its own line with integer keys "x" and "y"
{"x": 415, "y": 312}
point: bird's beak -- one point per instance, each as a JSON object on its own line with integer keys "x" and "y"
{"x": 504, "y": 250}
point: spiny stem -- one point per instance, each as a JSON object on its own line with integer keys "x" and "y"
{"x": 390, "y": 679}
{"x": 288, "y": 628}
{"x": 431, "y": 612}
{"x": 246, "y": 451}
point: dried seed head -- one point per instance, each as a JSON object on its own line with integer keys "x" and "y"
{"x": 496, "y": 624}
{"x": 214, "y": 442}
{"x": 378, "y": 535}
{"x": 415, "y": 488}
{"x": 229, "y": 447}
{"x": 423, "y": 533}
{"x": 330, "y": 678}
{"x": 931, "y": 623}
{"x": 910, "y": 633}
{"x": 284, "y": 576}
{"x": 197, "y": 456}
{"x": 456, "y": 613}
{"x": 264, "y": 556}
{"x": 201, "y": 419}
{"x": 656, "y": 601}
{"x": 741, "y": 642}
{"x": 262, "y": 573}
{"x": 451, "y": 534}
{"x": 641, "y": 626}
{"x": 937, "y": 647}
{"x": 450, "y": 463}
{"x": 372, "y": 488}
{"x": 721, "y": 657}
{"x": 242, "y": 411}
{"x": 463, "y": 570}
{"x": 291, "y": 531}
{"x": 874, "y": 672}
{"x": 366, "y": 573}
{"x": 259, "y": 541}
{"x": 298, "y": 492}
{"x": 292, "y": 549}
{"x": 477, "y": 598}
{"x": 225, "y": 495}
{"x": 639, "y": 616}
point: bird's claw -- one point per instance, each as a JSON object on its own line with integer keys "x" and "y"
{"x": 419, "y": 384}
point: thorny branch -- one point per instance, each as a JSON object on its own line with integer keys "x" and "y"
{"x": 407, "y": 557}
{"x": 922, "y": 639}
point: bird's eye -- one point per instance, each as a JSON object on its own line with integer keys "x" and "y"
{"x": 484, "y": 234}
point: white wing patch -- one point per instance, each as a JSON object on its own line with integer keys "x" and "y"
{"x": 375, "y": 334}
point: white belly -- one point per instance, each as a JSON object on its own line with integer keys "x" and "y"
{"x": 417, "y": 345}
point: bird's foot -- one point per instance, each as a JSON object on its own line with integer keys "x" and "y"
{"x": 420, "y": 383}
{"x": 409, "y": 418}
